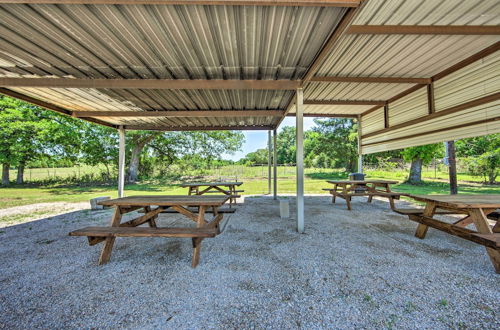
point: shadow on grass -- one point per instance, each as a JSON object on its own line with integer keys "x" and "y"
{"x": 427, "y": 188}
{"x": 76, "y": 190}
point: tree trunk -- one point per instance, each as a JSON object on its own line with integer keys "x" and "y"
{"x": 20, "y": 173}
{"x": 415, "y": 171}
{"x": 452, "y": 167}
{"x": 133, "y": 170}
{"x": 5, "y": 174}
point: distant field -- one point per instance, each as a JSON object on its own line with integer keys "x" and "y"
{"x": 53, "y": 173}
{"x": 254, "y": 178}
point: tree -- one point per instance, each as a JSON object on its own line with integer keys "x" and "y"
{"x": 482, "y": 155}
{"x": 28, "y": 133}
{"x": 418, "y": 156}
{"x": 197, "y": 149}
{"x": 336, "y": 138}
{"x": 286, "y": 148}
{"x": 99, "y": 145}
{"x": 256, "y": 157}
{"x": 137, "y": 141}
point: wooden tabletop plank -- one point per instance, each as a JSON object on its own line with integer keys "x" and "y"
{"x": 201, "y": 184}
{"x": 461, "y": 201}
{"x": 361, "y": 181}
{"x": 168, "y": 200}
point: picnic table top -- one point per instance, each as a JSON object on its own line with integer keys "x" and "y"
{"x": 168, "y": 200}
{"x": 461, "y": 201}
{"x": 199, "y": 184}
{"x": 361, "y": 181}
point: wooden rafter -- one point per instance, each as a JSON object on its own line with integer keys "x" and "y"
{"x": 325, "y": 115}
{"x": 150, "y": 83}
{"x": 479, "y": 122}
{"x": 385, "y": 80}
{"x": 198, "y": 128}
{"x": 343, "y": 102}
{"x": 181, "y": 113}
{"x": 299, "y": 3}
{"x": 425, "y": 29}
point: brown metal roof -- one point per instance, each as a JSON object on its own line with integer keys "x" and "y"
{"x": 243, "y": 43}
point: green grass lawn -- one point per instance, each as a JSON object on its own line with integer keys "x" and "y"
{"x": 315, "y": 181}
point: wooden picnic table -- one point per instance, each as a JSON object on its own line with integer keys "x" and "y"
{"x": 153, "y": 206}
{"x": 226, "y": 188}
{"x": 475, "y": 209}
{"x": 346, "y": 189}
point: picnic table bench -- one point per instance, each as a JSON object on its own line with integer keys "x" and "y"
{"x": 226, "y": 188}
{"x": 347, "y": 189}
{"x": 153, "y": 206}
{"x": 475, "y": 208}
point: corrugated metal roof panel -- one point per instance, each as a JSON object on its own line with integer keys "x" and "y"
{"x": 400, "y": 56}
{"x": 464, "y": 117}
{"x": 430, "y": 12}
{"x": 409, "y": 107}
{"x": 476, "y": 80}
{"x": 158, "y": 41}
{"x": 373, "y": 121}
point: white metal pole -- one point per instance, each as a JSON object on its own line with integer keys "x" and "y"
{"x": 360, "y": 151}
{"x": 275, "y": 161}
{"x": 299, "y": 127}
{"x": 269, "y": 153}
{"x": 121, "y": 161}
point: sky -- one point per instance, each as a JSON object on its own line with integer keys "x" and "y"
{"x": 258, "y": 139}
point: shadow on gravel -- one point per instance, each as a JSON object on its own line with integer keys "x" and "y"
{"x": 350, "y": 267}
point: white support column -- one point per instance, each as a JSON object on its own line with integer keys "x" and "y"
{"x": 275, "y": 165}
{"x": 360, "y": 153}
{"x": 299, "y": 127}
{"x": 121, "y": 161}
{"x": 269, "y": 154}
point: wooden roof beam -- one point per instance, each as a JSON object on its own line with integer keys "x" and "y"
{"x": 198, "y": 128}
{"x": 150, "y": 83}
{"x": 425, "y": 29}
{"x": 181, "y": 113}
{"x": 324, "y": 115}
{"x": 277, "y": 3}
{"x": 344, "y": 102}
{"x": 384, "y": 80}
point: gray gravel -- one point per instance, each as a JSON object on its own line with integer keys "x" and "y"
{"x": 362, "y": 269}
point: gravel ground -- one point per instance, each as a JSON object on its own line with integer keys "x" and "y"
{"x": 362, "y": 269}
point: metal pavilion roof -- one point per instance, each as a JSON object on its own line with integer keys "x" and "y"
{"x": 236, "y": 64}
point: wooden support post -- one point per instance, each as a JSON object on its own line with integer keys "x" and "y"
{"x": 275, "y": 165}
{"x": 300, "y": 158}
{"x": 430, "y": 98}
{"x": 452, "y": 167}
{"x": 121, "y": 161}
{"x": 360, "y": 151}
{"x": 269, "y": 155}
{"x": 386, "y": 115}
